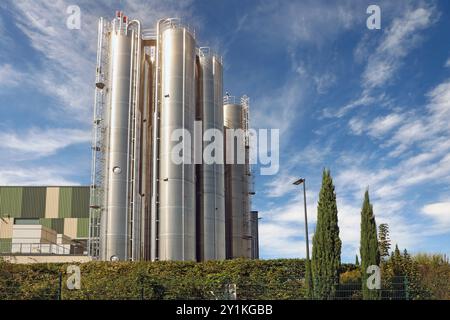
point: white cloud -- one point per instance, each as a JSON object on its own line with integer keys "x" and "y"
{"x": 356, "y": 125}
{"x": 439, "y": 211}
{"x": 279, "y": 109}
{"x": 10, "y": 77}
{"x": 400, "y": 38}
{"x": 68, "y": 56}
{"x": 36, "y": 176}
{"x": 37, "y": 143}
{"x": 324, "y": 82}
{"x": 280, "y": 185}
{"x": 364, "y": 100}
{"x": 382, "y": 125}
{"x": 427, "y": 128}
{"x": 304, "y": 22}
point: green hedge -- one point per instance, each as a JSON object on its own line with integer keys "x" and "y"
{"x": 255, "y": 279}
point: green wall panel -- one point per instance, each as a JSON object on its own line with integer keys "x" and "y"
{"x": 83, "y": 228}
{"x": 33, "y": 202}
{"x": 46, "y": 222}
{"x": 65, "y": 202}
{"x": 11, "y": 201}
{"x": 5, "y": 245}
{"x": 58, "y": 225}
{"x": 80, "y": 202}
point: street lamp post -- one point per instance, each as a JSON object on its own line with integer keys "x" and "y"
{"x": 308, "y": 261}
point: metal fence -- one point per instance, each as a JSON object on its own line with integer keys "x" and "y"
{"x": 52, "y": 286}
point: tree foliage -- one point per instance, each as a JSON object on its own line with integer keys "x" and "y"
{"x": 369, "y": 252}
{"x": 384, "y": 241}
{"x": 326, "y": 255}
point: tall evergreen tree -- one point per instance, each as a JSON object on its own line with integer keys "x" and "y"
{"x": 357, "y": 261}
{"x": 326, "y": 255}
{"x": 384, "y": 242}
{"x": 369, "y": 252}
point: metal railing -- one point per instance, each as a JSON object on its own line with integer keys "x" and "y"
{"x": 40, "y": 249}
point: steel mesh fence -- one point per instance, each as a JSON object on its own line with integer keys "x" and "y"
{"x": 52, "y": 286}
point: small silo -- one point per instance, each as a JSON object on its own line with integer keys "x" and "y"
{"x": 236, "y": 180}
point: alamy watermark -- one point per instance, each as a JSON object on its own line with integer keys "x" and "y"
{"x": 231, "y": 146}
{"x": 74, "y": 280}
{"x": 373, "y": 22}
{"x": 73, "y": 21}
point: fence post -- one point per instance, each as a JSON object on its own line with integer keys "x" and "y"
{"x": 59, "y": 286}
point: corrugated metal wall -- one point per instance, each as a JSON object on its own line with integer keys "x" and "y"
{"x": 65, "y": 202}
{"x": 33, "y": 202}
{"x": 80, "y": 202}
{"x": 63, "y": 209}
{"x": 83, "y": 228}
{"x": 11, "y": 201}
{"x": 58, "y": 225}
{"x": 52, "y": 202}
{"x": 70, "y": 227}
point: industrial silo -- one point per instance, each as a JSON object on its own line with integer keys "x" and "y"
{"x": 176, "y": 191}
{"x": 121, "y": 108}
{"x": 236, "y": 180}
{"x": 211, "y": 176}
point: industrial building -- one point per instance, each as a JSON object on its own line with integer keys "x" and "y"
{"x": 44, "y": 220}
{"x": 141, "y": 205}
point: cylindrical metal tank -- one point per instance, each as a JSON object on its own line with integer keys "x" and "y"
{"x": 115, "y": 217}
{"x": 255, "y": 234}
{"x": 176, "y": 181}
{"x": 236, "y": 193}
{"x": 212, "y": 176}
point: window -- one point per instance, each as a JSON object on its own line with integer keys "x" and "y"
{"x": 21, "y": 221}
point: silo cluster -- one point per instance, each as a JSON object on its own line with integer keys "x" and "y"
{"x": 150, "y": 84}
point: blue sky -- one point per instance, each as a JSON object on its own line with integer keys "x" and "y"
{"x": 371, "y": 105}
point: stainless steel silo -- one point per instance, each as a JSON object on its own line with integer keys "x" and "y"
{"x": 176, "y": 212}
{"x": 114, "y": 233}
{"x": 212, "y": 233}
{"x": 236, "y": 193}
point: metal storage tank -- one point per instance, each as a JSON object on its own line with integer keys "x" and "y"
{"x": 176, "y": 181}
{"x": 255, "y": 234}
{"x": 114, "y": 218}
{"x": 236, "y": 191}
{"x": 212, "y": 233}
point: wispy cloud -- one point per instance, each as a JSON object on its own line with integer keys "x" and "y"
{"x": 439, "y": 211}
{"x": 68, "y": 56}
{"x": 377, "y": 127}
{"x": 399, "y": 39}
{"x": 10, "y": 77}
{"x": 36, "y": 143}
{"x": 36, "y": 176}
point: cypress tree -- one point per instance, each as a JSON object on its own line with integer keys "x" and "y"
{"x": 369, "y": 252}
{"x": 326, "y": 255}
{"x": 357, "y": 261}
